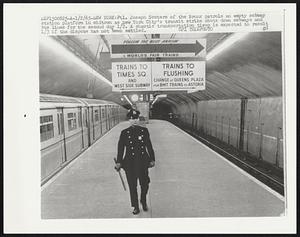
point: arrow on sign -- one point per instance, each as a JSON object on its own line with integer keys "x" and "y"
{"x": 157, "y": 48}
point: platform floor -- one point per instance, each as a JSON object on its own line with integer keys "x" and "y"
{"x": 189, "y": 180}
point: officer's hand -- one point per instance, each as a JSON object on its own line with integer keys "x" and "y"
{"x": 151, "y": 164}
{"x": 117, "y": 167}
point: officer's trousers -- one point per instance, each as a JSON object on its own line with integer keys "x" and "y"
{"x": 144, "y": 180}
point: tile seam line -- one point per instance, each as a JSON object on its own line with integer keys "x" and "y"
{"x": 75, "y": 161}
{"x": 282, "y": 198}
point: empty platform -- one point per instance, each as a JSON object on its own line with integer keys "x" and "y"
{"x": 189, "y": 180}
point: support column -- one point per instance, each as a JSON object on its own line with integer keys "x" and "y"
{"x": 242, "y": 122}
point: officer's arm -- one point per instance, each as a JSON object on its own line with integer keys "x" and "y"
{"x": 121, "y": 146}
{"x": 149, "y": 146}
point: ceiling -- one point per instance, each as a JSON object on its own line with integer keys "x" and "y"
{"x": 249, "y": 68}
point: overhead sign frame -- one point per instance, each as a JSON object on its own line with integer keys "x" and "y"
{"x": 164, "y": 48}
{"x": 181, "y": 65}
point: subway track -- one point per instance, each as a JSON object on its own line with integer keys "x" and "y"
{"x": 261, "y": 170}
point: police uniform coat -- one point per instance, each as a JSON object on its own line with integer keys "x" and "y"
{"x": 135, "y": 140}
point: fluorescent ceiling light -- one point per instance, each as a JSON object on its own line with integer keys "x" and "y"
{"x": 159, "y": 96}
{"x": 154, "y": 100}
{"x": 225, "y": 44}
{"x": 58, "y": 48}
{"x": 125, "y": 96}
{"x": 192, "y": 91}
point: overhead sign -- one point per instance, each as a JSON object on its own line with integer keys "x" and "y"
{"x": 158, "y": 76}
{"x": 178, "y": 75}
{"x": 131, "y": 76}
{"x": 162, "y": 48}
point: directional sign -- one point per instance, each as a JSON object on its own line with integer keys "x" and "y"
{"x": 163, "y": 48}
{"x": 178, "y": 75}
{"x": 158, "y": 76}
{"x": 131, "y": 76}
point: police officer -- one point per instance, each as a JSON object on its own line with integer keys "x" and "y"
{"x": 139, "y": 156}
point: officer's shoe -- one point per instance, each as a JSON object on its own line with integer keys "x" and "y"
{"x": 136, "y": 211}
{"x": 144, "y": 205}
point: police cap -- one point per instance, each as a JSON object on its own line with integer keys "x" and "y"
{"x": 133, "y": 114}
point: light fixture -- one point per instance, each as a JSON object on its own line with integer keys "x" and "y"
{"x": 225, "y": 44}
{"x": 158, "y": 96}
{"x": 192, "y": 91}
{"x": 125, "y": 96}
{"x": 154, "y": 101}
{"x": 64, "y": 52}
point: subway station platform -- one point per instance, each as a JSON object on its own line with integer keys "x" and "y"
{"x": 189, "y": 180}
